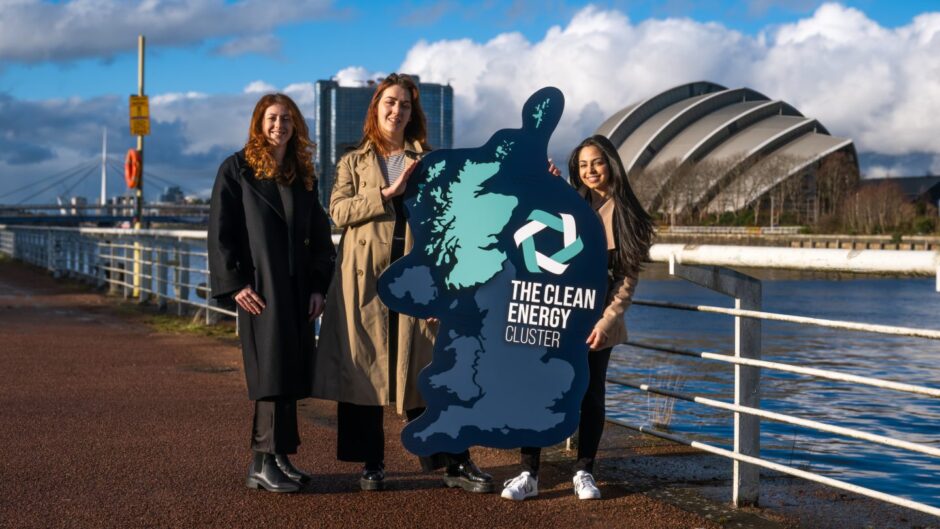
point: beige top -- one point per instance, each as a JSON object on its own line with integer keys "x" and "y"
{"x": 620, "y": 283}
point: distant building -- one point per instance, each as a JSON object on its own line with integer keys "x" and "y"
{"x": 172, "y": 195}
{"x": 704, "y": 147}
{"x": 342, "y": 109}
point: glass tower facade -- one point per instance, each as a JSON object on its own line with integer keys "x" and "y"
{"x": 342, "y": 109}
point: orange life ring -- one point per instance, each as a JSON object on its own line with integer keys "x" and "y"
{"x": 132, "y": 168}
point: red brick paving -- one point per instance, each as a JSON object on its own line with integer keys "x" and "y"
{"x": 107, "y": 423}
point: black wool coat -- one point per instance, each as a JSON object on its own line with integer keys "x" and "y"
{"x": 277, "y": 241}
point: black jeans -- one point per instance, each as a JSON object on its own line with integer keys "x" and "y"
{"x": 593, "y": 413}
{"x": 361, "y": 437}
{"x": 274, "y": 429}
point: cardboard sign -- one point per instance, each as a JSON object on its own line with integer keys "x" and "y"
{"x": 513, "y": 262}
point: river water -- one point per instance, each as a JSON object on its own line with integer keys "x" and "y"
{"x": 910, "y": 302}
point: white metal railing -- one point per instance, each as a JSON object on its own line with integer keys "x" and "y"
{"x": 170, "y": 265}
{"x": 166, "y": 265}
{"x": 914, "y": 262}
{"x": 746, "y": 406}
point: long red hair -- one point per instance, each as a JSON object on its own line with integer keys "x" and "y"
{"x": 298, "y": 159}
{"x": 415, "y": 131}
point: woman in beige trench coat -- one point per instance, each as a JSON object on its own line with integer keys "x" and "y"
{"x": 370, "y": 357}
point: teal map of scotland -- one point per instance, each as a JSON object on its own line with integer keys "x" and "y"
{"x": 513, "y": 263}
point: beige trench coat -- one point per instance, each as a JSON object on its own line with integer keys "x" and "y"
{"x": 620, "y": 285}
{"x": 352, "y": 360}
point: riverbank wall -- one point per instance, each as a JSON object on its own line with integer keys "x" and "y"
{"x": 758, "y": 237}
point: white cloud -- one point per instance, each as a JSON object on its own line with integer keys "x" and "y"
{"x": 171, "y": 97}
{"x": 356, "y": 76}
{"x": 878, "y": 86}
{"x": 261, "y": 44}
{"x": 304, "y": 94}
{"x": 881, "y": 171}
{"x": 259, "y": 87}
{"x": 38, "y": 30}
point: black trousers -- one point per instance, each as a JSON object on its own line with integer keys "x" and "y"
{"x": 593, "y": 413}
{"x": 274, "y": 429}
{"x": 360, "y": 429}
{"x": 361, "y": 437}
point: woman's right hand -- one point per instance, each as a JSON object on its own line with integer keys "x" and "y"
{"x": 552, "y": 168}
{"x": 249, "y": 300}
{"x": 399, "y": 186}
{"x": 596, "y": 339}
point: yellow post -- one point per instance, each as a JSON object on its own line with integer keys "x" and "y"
{"x": 139, "y": 192}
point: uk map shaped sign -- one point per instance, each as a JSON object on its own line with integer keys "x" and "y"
{"x": 513, "y": 263}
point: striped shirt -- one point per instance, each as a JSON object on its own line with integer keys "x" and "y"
{"x": 392, "y": 167}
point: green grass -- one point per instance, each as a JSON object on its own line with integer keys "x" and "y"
{"x": 169, "y": 323}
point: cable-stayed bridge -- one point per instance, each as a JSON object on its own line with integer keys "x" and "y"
{"x": 49, "y": 199}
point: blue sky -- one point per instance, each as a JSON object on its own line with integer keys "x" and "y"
{"x": 66, "y": 70}
{"x": 376, "y": 36}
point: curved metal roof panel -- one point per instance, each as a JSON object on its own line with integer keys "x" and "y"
{"x": 683, "y": 145}
{"x": 699, "y": 139}
{"x": 639, "y": 113}
{"x": 775, "y": 168}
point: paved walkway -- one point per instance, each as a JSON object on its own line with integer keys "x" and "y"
{"x": 107, "y": 423}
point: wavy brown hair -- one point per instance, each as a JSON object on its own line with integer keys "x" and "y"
{"x": 633, "y": 227}
{"x": 298, "y": 159}
{"x": 416, "y": 130}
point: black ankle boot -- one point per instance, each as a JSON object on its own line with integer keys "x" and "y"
{"x": 467, "y": 476}
{"x": 290, "y": 470}
{"x": 373, "y": 477}
{"x": 263, "y": 473}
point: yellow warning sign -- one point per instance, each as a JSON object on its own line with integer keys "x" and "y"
{"x": 140, "y": 115}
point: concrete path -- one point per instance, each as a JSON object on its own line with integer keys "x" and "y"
{"x": 107, "y": 423}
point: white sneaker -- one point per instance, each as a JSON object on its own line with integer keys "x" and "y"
{"x": 521, "y": 487}
{"x": 584, "y": 486}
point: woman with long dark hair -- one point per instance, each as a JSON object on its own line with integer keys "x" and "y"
{"x": 597, "y": 173}
{"x": 370, "y": 356}
{"x": 270, "y": 252}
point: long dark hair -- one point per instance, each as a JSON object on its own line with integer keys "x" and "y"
{"x": 416, "y": 130}
{"x": 298, "y": 159}
{"x": 633, "y": 227}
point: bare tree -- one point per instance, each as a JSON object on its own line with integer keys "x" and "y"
{"x": 880, "y": 208}
{"x": 836, "y": 178}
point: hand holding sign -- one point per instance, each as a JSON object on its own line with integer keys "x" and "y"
{"x": 513, "y": 262}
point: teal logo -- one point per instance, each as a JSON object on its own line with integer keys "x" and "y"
{"x": 536, "y": 261}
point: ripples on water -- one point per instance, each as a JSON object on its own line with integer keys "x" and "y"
{"x": 905, "y": 302}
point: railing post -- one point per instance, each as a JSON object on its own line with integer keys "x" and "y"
{"x": 938, "y": 271}
{"x": 182, "y": 281}
{"x": 144, "y": 270}
{"x": 97, "y": 257}
{"x": 126, "y": 274}
{"x": 747, "y": 344}
{"x": 112, "y": 274}
{"x": 161, "y": 286}
{"x": 746, "y": 292}
{"x": 51, "y": 244}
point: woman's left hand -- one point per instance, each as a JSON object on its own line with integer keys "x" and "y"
{"x": 597, "y": 339}
{"x": 316, "y": 306}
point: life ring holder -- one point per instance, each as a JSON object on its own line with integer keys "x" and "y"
{"x": 132, "y": 168}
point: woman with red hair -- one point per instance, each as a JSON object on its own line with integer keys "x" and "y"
{"x": 270, "y": 252}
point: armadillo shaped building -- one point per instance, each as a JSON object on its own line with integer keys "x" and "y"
{"x": 704, "y": 147}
